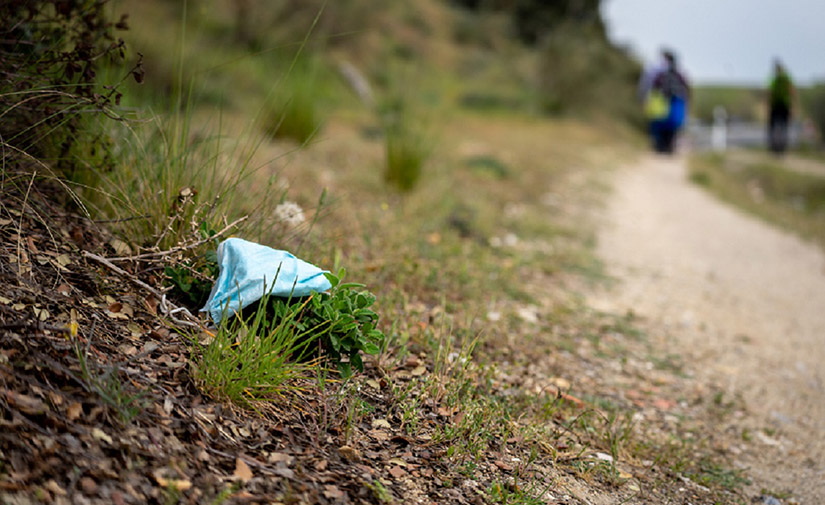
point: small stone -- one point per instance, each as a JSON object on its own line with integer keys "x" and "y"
{"x": 602, "y": 456}
{"x": 88, "y": 485}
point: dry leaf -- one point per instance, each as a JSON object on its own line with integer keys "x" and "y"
{"x": 381, "y": 423}
{"x": 242, "y": 471}
{"x": 55, "y": 398}
{"x": 25, "y": 404}
{"x": 151, "y": 305}
{"x": 41, "y": 314}
{"x": 55, "y": 488}
{"x": 74, "y": 411}
{"x": 179, "y": 484}
{"x": 397, "y": 472}
{"x": 373, "y": 384}
{"x": 4, "y": 300}
{"x": 399, "y": 462}
{"x": 99, "y": 434}
{"x": 349, "y": 453}
{"x": 135, "y": 330}
{"x": 120, "y": 247}
{"x": 32, "y": 246}
{"x": 418, "y": 371}
{"x": 333, "y": 492}
{"x": 279, "y": 457}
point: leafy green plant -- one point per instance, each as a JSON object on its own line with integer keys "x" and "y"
{"x": 341, "y": 320}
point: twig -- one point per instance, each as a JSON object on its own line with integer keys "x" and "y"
{"x": 121, "y": 220}
{"x": 246, "y": 459}
{"x": 38, "y": 326}
{"x": 124, "y": 273}
{"x": 180, "y": 248}
{"x": 167, "y": 308}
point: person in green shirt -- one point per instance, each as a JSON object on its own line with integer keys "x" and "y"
{"x": 780, "y": 97}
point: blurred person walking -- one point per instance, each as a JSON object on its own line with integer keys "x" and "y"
{"x": 780, "y": 97}
{"x": 666, "y": 93}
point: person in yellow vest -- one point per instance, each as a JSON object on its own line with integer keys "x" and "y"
{"x": 665, "y": 92}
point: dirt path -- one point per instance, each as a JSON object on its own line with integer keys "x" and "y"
{"x": 744, "y": 304}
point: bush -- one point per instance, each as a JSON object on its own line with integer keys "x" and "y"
{"x": 741, "y": 103}
{"x": 814, "y": 104}
{"x": 295, "y": 111}
{"x": 50, "y": 51}
{"x": 580, "y": 71}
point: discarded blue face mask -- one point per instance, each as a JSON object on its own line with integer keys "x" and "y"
{"x": 249, "y": 271}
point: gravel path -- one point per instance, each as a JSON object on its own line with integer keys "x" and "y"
{"x": 744, "y": 303}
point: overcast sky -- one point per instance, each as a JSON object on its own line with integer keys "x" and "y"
{"x": 726, "y": 41}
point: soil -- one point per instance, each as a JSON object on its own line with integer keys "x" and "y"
{"x": 741, "y": 302}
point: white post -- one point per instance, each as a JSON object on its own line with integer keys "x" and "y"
{"x": 719, "y": 131}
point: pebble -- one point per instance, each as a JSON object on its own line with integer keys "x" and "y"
{"x": 769, "y": 500}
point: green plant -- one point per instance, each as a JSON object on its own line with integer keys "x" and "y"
{"x": 106, "y": 383}
{"x": 508, "y": 493}
{"x": 379, "y": 491}
{"x": 581, "y": 72}
{"x": 342, "y": 321}
{"x": 712, "y": 473}
{"x": 50, "y": 93}
{"x": 295, "y": 110}
{"x": 405, "y": 147}
{"x": 253, "y": 359}
{"x": 814, "y": 104}
{"x": 191, "y": 279}
{"x": 405, "y": 157}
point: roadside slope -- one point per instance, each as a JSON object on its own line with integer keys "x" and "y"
{"x": 741, "y": 301}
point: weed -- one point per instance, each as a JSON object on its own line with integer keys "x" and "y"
{"x": 254, "y": 359}
{"x": 379, "y": 491}
{"x": 226, "y": 493}
{"x": 405, "y": 157}
{"x": 712, "y": 473}
{"x": 489, "y": 164}
{"x": 107, "y": 383}
{"x": 295, "y": 110}
{"x": 405, "y": 147}
{"x": 700, "y": 178}
{"x": 782, "y": 495}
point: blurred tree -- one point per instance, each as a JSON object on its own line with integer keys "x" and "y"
{"x": 535, "y": 19}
